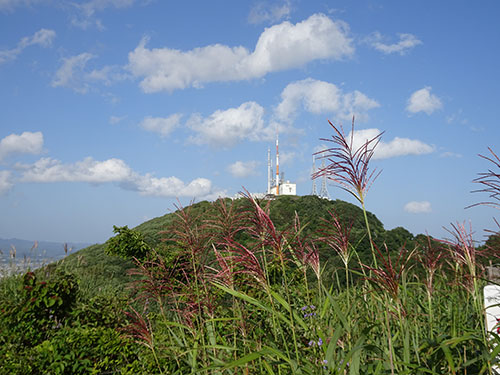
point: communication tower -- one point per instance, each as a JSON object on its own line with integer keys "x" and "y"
{"x": 314, "y": 191}
{"x": 278, "y": 186}
{"x": 324, "y": 190}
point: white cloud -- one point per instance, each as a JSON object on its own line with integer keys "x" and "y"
{"x": 82, "y": 14}
{"x": 161, "y": 125}
{"x": 423, "y": 101}
{"x": 5, "y": 181}
{"x": 415, "y": 207}
{"x": 171, "y": 187}
{"x": 26, "y": 143}
{"x": 87, "y": 170}
{"x": 93, "y": 6}
{"x": 449, "y": 154}
{"x": 269, "y": 13}
{"x": 457, "y": 118}
{"x": 47, "y": 170}
{"x": 107, "y": 75}
{"x": 75, "y": 75}
{"x": 116, "y": 119}
{"x": 406, "y": 42}
{"x": 42, "y": 37}
{"x": 71, "y": 73}
{"x": 242, "y": 169}
{"x": 280, "y": 47}
{"x": 86, "y": 12}
{"x": 385, "y": 150}
{"x": 322, "y": 97}
{"x": 227, "y": 127}
{"x": 287, "y": 157}
{"x": 9, "y": 5}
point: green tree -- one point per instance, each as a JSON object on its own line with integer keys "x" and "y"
{"x": 127, "y": 244}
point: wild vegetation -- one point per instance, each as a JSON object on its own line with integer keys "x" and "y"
{"x": 296, "y": 285}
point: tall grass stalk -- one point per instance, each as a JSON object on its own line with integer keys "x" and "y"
{"x": 349, "y": 168}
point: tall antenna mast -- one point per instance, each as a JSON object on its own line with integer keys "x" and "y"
{"x": 277, "y": 166}
{"x": 324, "y": 190}
{"x": 314, "y": 191}
{"x": 268, "y": 170}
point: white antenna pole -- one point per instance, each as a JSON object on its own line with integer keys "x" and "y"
{"x": 268, "y": 170}
{"x": 277, "y": 166}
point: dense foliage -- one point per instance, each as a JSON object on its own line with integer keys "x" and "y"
{"x": 48, "y": 328}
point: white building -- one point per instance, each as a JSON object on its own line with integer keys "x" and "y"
{"x": 287, "y": 188}
{"x": 277, "y": 185}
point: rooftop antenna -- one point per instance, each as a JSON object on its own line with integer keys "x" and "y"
{"x": 324, "y": 190}
{"x": 314, "y": 191}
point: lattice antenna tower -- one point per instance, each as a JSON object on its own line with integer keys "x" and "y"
{"x": 314, "y": 191}
{"x": 324, "y": 190}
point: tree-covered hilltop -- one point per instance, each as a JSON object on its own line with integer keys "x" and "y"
{"x": 98, "y": 269}
{"x": 312, "y": 211}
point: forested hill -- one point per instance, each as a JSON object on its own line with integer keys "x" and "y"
{"x": 92, "y": 264}
{"x": 311, "y": 210}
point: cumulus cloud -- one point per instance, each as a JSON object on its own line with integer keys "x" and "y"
{"x": 161, "y": 125}
{"x": 423, "y": 101}
{"x": 42, "y": 38}
{"x": 47, "y": 170}
{"x": 87, "y": 170}
{"x": 25, "y": 143}
{"x": 243, "y": 169}
{"x": 268, "y": 12}
{"x": 227, "y": 127}
{"x": 396, "y": 147}
{"x": 171, "y": 187}
{"x": 280, "y": 47}
{"x": 322, "y": 97}
{"x": 406, "y": 42}
{"x": 415, "y": 207}
{"x": 5, "y": 181}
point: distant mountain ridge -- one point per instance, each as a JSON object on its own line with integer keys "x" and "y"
{"x": 28, "y": 248}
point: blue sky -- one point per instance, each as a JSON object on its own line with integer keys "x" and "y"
{"x": 111, "y": 110}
